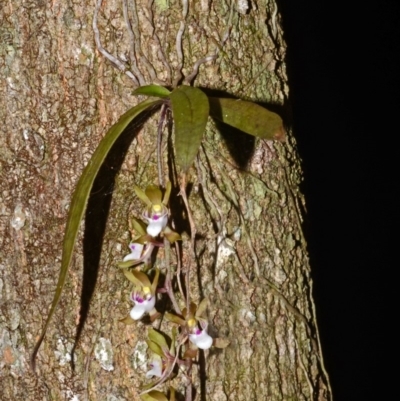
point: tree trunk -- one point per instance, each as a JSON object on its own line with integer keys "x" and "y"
{"x": 59, "y": 95}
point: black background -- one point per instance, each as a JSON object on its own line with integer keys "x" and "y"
{"x": 343, "y": 76}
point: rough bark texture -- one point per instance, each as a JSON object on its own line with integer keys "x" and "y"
{"x": 58, "y": 97}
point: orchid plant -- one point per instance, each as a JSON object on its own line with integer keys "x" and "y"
{"x": 150, "y": 251}
{"x": 192, "y": 325}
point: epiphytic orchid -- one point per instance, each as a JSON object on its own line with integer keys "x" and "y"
{"x": 141, "y": 247}
{"x": 156, "y": 212}
{"x": 190, "y": 325}
{"x": 143, "y": 295}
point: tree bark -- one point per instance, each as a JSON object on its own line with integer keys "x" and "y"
{"x": 59, "y": 95}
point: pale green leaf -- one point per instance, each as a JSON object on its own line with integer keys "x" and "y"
{"x": 248, "y": 117}
{"x": 157, "y": 338}
{"x": 190, "y": 112}
{"x": 79, "y": 202}
{"x": 155, "y": 348}
{"x": 152, "y": 90}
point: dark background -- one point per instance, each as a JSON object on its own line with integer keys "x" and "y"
{"x": 343, "y": 76}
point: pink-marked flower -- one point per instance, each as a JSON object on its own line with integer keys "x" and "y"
{"x": 144, "y": 303}
{"x": 200, "y": 338}
{"x": 136, "y": 252}
{"x": 190, "y": 325}
{"x": 156, "y": 212}
{"x": 141, "y": 247}
{"x": 156, "y": 367}
{"x": 157, "y": 218}
{"x": 143, "y": 295}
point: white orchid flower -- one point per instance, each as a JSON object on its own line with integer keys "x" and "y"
{"x": 143, "y": 304}
{"x": 156, "y": 367}
{"x": 201, "y": 339}
{"x": 136, "y": 252}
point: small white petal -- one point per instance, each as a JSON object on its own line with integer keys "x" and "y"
{"x": 136, "y": 252}
{"x": 141, "y": 308}
{"x": 149, "y": 304}
{"x": 156, "y": 369}
{"x": 202, "y": 340}
{"x": 137, "y": 312}
{"x": 156, "y": 226}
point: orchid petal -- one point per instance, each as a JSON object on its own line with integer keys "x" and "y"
{"x": 156, "y": 367}
{"x": 142, "y": 307}
{"x": 202, "y": 340}
{"x": 136, "y": 252}
{"x": 156, "y": 224}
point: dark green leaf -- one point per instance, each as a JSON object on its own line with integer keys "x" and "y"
{"x": 79, "y": 202}
{"x": 152, "y": 90}
{"x": 190, "y": 111}
{"x": 249, "y": 117}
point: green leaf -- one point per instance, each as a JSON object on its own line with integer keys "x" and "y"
{"x": 79, "y": 202}
{"x": 154, "y": 396}
{"x": 157, "y": 338}
{"x": 175, "y": 319}
{"x": 190, "y": 111}
{"x": 249, "y": 117}
{"x": 155, "y": 348}
{"x": 152, "y": 90}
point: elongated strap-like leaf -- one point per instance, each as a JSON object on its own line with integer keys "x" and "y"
{"x": 152, "y": 90}
{"x": 79, "y": 202}
{"x": 249, "y": 117}
{"x": 190, "y": 111}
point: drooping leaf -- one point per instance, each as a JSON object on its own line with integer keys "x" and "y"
{"x": 157, "y": 338}
{"x": 79, "y": 202}
{"x": 248, "y": 117}
{"x": 190, "y": 110}
{"x": 155, "y": 348}
{"x": 152, "y": 90}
